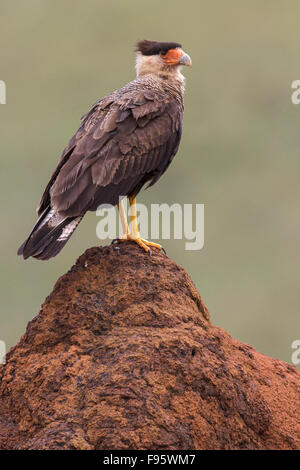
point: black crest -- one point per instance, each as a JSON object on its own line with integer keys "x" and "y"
{"x": 154, "y": 47}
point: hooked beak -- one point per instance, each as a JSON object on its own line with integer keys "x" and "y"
{"x": 185, "y": 60}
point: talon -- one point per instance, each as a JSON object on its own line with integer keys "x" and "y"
{"x": 145, "y": 244}
{"x": 154, "y": 245}
{"x": 123, "y": 238}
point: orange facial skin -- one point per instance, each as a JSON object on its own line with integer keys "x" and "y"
{"x": 172, "y": 57}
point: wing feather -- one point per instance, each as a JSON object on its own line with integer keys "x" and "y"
{"x": 125, "y": 140}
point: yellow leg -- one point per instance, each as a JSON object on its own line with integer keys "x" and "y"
{"x": 134, "y": 235}
{"x": 123, "y": 219}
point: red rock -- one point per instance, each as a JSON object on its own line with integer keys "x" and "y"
{"x": 123, "y": 356}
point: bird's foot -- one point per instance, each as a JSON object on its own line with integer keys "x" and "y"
{"x": 145, "y": 244}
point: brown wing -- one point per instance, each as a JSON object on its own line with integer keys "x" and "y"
{"x": 125, "y": 141}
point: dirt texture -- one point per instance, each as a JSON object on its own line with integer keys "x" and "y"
{"x": 123, "y": 355}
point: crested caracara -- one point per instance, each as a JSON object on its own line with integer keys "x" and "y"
{"x": 126, "y": 140}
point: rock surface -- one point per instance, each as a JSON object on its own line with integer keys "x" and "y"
{"x": 123, "y": 356}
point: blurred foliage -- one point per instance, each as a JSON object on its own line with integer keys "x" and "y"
{"x": 239, "y": 154}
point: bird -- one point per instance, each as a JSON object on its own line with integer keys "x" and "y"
{"x": 126, "y": 140}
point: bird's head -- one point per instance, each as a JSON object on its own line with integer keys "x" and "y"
{"x": 160, "y": 57}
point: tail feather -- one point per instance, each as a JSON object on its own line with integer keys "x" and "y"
{"x": 49, "y": 235}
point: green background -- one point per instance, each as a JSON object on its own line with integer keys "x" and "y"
{"x": 239, "y": 153}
